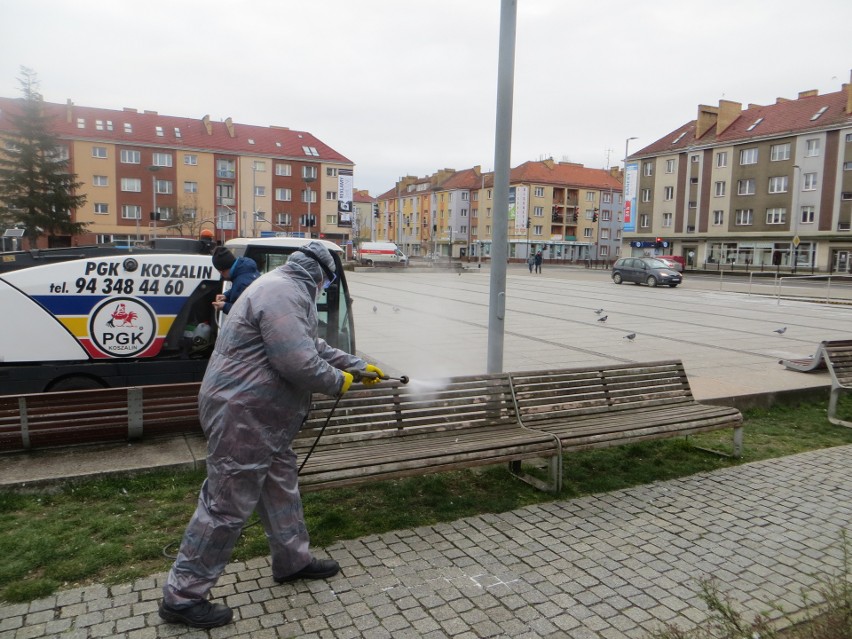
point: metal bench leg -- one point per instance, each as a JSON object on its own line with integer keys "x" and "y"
{"x": 554, "y": 464}
{"x": 832, "y": 408}
{"x": 737, "y": 445}
{"x": 738, "y": 442}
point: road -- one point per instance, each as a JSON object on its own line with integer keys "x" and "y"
{"x": 434, "y": 324}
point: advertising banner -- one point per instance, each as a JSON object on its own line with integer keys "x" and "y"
{"x": 518, "y": 206}
{"x": 344, "y": 198}
{"x": 631, "y": 181}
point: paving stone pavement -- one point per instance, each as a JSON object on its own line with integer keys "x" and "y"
{"x": 607, "y": 566}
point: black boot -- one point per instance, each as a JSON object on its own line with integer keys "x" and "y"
{"x": 317, "y": 569}
{"x": 201, "y": 615}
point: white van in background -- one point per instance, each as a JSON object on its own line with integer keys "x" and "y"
{"x": 381, "y": 253}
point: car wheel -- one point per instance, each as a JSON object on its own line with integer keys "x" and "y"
{"x": 616, "y": 277}
{"x": 651, "y": 281}
{"x": 369, "y": 262}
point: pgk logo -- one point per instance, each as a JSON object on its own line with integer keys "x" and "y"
{"x": 122, "y": 326}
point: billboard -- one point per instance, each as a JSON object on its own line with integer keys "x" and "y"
{"x": 631, "y": 182}
{"x": 518, "y": 206}
{"x": 344, "y": 197}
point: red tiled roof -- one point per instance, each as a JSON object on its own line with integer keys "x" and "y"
{"x": 564, "y": 173}
{"x": 785, "y": 117}
{"x": 247, "y": 139}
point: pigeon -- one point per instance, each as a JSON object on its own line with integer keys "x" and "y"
{"x": 599, "y": 311}
{"x": 375, "y": 308}
{"x": 781, "y": 330}
{"x": 603, "y": 319}
{"x": 630, "y": 337}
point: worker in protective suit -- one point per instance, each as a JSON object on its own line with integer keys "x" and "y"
{"x": 254, "y": 398}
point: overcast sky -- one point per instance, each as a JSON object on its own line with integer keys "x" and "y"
{"x": 407, "y": 88}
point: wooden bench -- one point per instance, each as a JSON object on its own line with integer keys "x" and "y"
{"x": 599, "y": 407}
{"x": 391, "y": 430}
{"x": 66, "y": 418}
{"x": 838, "y": 358}
{"x": 815, "y": 362}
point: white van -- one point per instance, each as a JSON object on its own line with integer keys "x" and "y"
{"x": 382, "y": 253}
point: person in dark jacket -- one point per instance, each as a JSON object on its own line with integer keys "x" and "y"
{"x": 254, "y": 398}
{"x": 240, "y": 271}
{"x": 538, "y": 258}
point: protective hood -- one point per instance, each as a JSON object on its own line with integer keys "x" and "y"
{"x": 313, "y": 257}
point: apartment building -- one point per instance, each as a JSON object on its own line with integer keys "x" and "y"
{"x": 146, "y": 175}
{"x": 568, "y": 211}
{"x": 761, "y": 186}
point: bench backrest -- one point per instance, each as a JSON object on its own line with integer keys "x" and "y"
{"x": 390, "y": 408}
{"x": 67, "y": 418}
{"x": 838, "y": 356}
{"x": 563, "y": 394}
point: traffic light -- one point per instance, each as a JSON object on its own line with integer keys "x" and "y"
{"x": 376, "y": 210}
{"x": 529, "y": 222}
{"x": 659, "y": 242}
{"x": 576, "y": 217}
{"x": 595, "y": 215}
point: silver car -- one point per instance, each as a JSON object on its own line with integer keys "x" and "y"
{"x": 645, "y": 270}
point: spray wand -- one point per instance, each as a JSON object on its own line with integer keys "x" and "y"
{"x": 360, "y": 376}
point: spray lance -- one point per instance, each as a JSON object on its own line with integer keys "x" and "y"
{"x": 357, "y": 376}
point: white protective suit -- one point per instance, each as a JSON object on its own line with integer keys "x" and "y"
{"x": 254, "y": 398}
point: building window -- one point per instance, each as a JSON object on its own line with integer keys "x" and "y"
{"x": 164, "y": 187}
{"x": 808, "y": 214}
{"x": 590, "y": 196}
{"x": 721, "y": 159}
{"x": 604, "y": 234}
{"x": 283, "y": 169}
{"x": 644, "y": 221}
{"x": 587, "y": 232}
{"x": 128, "y": 128}
{"x": 131, "y": 184}
{"x": 847, "y": 166}
{"x": 131, "y": 212}
{"x": 259, "y": 191}
{"x": 259, "y": 166}
{"x": 159, "y": 131}
{"x": 283, "y": 195}
{"x": 164, "y": 212}
{"x": 778, "y": 184}
{"x": 695, "y": 159}
{"x": 810, "y": 182}
{"x": 99, "y": 151}
{"x": 177, "y": 132}
{"x": 130, "y": 157}
{"x": 331, "y": 172}
{"x": 309, "y": 172}
{"x": 100, "y": 180}
{"x": 647, "y": 169}
{"x": 721, "y": 188}
{"x": 693, "y": 204}
{"x": 670, "y": 166}
{"x": 606, "y": 216}
{"x": 746, "y": 187}
{"x": 778, "y": 152}
{"x": 190, "y": 213}
{"x": 538, "y": 211}
{"x": 693, "y": 180}
{"x": 606, "y": 198}
{"x": 748, "y": 156}
{"x": 283, "y": 219}
{"x": 668, "y": 193}
{"x": 162, "y": 159}
{"x": 190, "y": 187}
{"x": 101, "y": 208}
{"x": 190, "y": 159}
{"x": 539, "y": 191}
{"x": 667, "y": 219}
{"x": 776, "y": 216}
{"x": 305, "y": 195}
{"x": 225, "y": 169}
{"x": 331, "y": 195}
{"x": 718, "y": 218}
{"x": 310, "y": 150}
{"x": 81, "y": 123}
{"x": 744, "y": 217}
{"x": 812, "y": 148}
{"x": 646, "y": 195}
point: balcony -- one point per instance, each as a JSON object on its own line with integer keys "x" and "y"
{"x": 224, "y": 173}
{"x": 225, "y": 201}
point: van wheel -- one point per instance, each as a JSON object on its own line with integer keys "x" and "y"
{"x": 651, "y": 281}
{"x": 76, "y": 382}
{"x": 616, "y": 277}
{"x": 369, "y": 262}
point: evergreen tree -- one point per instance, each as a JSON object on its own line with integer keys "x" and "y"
{"x": 36, "y": 189}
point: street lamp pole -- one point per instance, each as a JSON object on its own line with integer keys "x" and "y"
{"x": 308, "y": 179}
{"x": 794, "y": 201}
{"x": 154, "y": 215}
